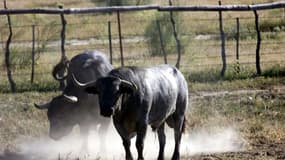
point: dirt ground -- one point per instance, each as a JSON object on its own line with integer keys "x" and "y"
{"x": 260, "y": 145}
{"x": 260, "y": 149}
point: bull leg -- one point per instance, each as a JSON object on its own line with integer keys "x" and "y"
{"x": 177, "y": 135}
{"x": 127, "y": 144}
{"x": 141, "y": 132}
{"x": 161, "y": 139}
{"x": 126, "y": 139}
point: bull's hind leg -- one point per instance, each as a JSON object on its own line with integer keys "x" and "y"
{"x": 141, "y": 132}
{"x": 127, "y": 144}
{"x": 178, "y": 127}
{"x": 176, "y": 122}
{"x": 161, "y": 139}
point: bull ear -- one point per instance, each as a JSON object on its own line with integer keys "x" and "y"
{"x": 42, "y": 106}
{"x": 92, "y": 90}
{"x": 127, "y": 87}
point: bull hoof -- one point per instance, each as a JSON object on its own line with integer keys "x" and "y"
{"x": 129, "y": 158}
{"x": 175, "y": 158}
{"x": 160, "y": 158}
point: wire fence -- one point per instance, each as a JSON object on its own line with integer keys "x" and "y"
{"x": 200, "y": 39}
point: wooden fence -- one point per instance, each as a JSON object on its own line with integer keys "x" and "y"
{"x": 119, "y": 9}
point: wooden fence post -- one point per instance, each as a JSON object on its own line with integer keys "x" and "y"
{"x": 64, "y": 59}
{"x": 176, "y": 37}
{"x": 120, "y": 38}
{"x": 223, "y": 51}
{"x": 161, "y": 41}
{"x": 110, "y": 42}
{"x": 7, "y": 54}
{"x": 33, "y": 54}
{"x": 257, "y": 57}
{"x": 237, "y": 45}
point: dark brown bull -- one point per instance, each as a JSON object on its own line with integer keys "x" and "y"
{"x": 64, "y": 112}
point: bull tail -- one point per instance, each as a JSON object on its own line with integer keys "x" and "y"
{"x": 184, "y": 125}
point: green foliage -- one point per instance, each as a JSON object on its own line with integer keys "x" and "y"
{"x": 208, "y": 75}
{"x": 20, "y": 57}
{"x": 234, "y": 72}
{"x": 244, "y": 33}
{"x": 275, "y": 71}
{"x": 269, "y": 27}
{"x": 49, "y": 32}
{"x": 26, "y": 86}
{"x": 272, "y": 25}
{"x": 168, "y": 39}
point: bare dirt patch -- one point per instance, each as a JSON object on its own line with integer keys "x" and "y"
{"x": 256, "y": 116}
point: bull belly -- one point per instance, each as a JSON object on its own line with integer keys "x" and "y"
{"x": 157, "y": 117}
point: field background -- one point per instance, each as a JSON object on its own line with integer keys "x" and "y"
{"x": 252, "y": 105}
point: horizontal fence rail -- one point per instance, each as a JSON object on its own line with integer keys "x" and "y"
{"x": 263, "y": 6}
{"x": 136, "y": 44}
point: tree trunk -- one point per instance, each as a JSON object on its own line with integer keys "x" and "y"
{"x": 257, "y": 57}
{"x": 223, "y": 50}
{"x": 7, "y": 54}
{"x": 176, "y": 37}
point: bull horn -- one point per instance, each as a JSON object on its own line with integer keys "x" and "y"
{"x": 82, "y": 85}
{"x": 60, "y": 67}
{"x": 42, "y": 106}
{"x": 129, "y": 84}
{"x": 71, "y": 99}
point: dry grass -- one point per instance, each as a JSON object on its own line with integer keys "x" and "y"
{"x": 257, "y": 116}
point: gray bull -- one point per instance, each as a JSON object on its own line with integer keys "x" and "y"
{"x": 150, "y": 96}
{"x": 64, "y": 112}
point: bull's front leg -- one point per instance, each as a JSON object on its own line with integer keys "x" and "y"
{"x": 141, "y": 128}
{"x": 125, "y": 137}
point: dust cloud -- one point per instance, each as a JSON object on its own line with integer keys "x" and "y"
{"x": 199, "y": 141}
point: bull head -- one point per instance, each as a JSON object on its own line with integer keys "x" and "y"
{"x": 71, "y": 99}
{"x": 124, "y": 87}
{"x": 91, "y": 87}
{"x": 109, "y": 89}
{"x": 60, "y": 113}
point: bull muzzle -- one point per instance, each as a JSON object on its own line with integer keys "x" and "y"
{"x": 107, "y": 112}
